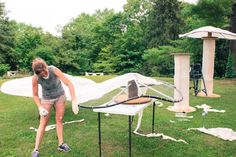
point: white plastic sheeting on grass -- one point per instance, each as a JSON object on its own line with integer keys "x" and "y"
{"x": 223, "y": 133}
{"x": 165, "y": 137}
{"x": 207, "y": 108}
{"x": 53, "y": 126}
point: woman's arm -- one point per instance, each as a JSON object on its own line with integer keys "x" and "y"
{"x": 35, "y": 91}
{"x": 42, "y": 111}
{"x": 66, "y": 81}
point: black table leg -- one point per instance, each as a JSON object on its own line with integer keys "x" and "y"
{"x": 130, "y": 121}
{"x": 153, "y": 116}
{"x": 99, "y": 135}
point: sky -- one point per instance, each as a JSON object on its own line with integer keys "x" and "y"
{"x": 51, "y": 14}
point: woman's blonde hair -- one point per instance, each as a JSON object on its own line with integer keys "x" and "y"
{"x": 39, "y": 65}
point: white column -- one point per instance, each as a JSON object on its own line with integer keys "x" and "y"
{"x": 208, "y": 59}
{"x": 181, "y": 81}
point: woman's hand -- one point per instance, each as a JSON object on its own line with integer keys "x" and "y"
{"x": 75, "y": 107}
{"x": 42, "y": 111}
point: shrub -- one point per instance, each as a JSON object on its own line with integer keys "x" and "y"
{"x": 158, "y": 61}
{"x": 4, "y": 68}
{"x": 230, "y": 73}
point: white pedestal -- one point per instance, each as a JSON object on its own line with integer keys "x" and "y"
{"x": 181, "y": 81}
{"x": 208, "y": 58}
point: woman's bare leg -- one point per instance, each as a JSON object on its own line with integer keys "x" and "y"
{"x": 60, "y": 110}
{"x": 42, "y": 125}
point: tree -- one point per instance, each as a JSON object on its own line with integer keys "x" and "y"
{"x": 221, "y": 56}
{"x": 78, "y": 37}
{"x": 8, "y": 56}
{"x": 230, "y": 71}
{"x": 3, "y": 69}
{"x": 67, "y": 61}
{"x": 106, "y": 61}
{"x": 210, "y": 10}
{"x": 46, "y": 53}
{"x": 159, "y": 61}
{"x": 163, "y": 22}
{"x": 27, "y": 39}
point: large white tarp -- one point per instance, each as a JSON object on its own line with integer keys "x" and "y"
{"x": 23, "y": 86}
{"x": 85, "y": 89}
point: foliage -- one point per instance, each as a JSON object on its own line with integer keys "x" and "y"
{"x": 85, "y": 36}
{"x": 160, "y": 61}
{"x": 105, "y": 62}
{"x": 221, "y": 57}
{"x": 192, "y": 46}
{"x": 1, "y": 9}
{"x": 28, "y": 39}
{"x": 129, "y": 48}
{"x": 190, "y": 19}
{"x": 163, "y": 22}
{"x": 118, "y": 42}
{"x": 230, "y": 71}
{"x": 3, "y": 69}
{"x": 7, "y": 45}
{"x": 210, "y": 10}
{"x": 45, "y": 53}
{"x": 67, "y": 61}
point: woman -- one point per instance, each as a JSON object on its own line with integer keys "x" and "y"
{"x": 50, "y": 77}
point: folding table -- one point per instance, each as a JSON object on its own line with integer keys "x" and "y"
{"x": 123, "y": 109}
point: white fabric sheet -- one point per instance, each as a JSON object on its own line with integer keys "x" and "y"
{"x": 223, "y": 133}
{"x": 53, "y": 126}
{"x": 165, "y": 137}
{"x": 85, "y": 89}
{"x": 206, "y": 108}
{"x": 23, "y": 86}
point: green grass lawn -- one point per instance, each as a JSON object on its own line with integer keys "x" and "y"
{"x": 17, "y": 114}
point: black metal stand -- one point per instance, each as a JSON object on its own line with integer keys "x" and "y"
{"x": 99, "y": 134}
{"x": 204, "y": 90}
{"x": 195, "y": 86}
{"x": 130, "y": 123}
{"x": 196, "y": 75}
{"x": 153, "y": 116}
